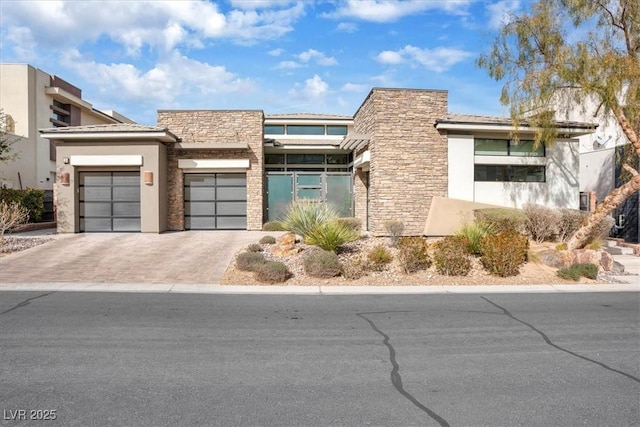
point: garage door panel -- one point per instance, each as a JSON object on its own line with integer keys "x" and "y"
{"x": 94, "y": 209}
{"x": 95, "y": 178}
{"x": 126, "y": 224}
{"x": 200, "y": 180}
{"x": 95, "y": 224}
{"x": 126, "y": 209}
{"x": 95, "y": 193}
{"x": 231, "y": 180}
{"x": 232, "y": 223}
{"x": 200, "y": 208}
{"x": 127, "y": 178}
{"x": 200, "y": 223}
{"x": 231, "y": 208}
{"x": 231, "y": 193}
{"x": 199, "y": 194}
{"x": 127, "y": 194}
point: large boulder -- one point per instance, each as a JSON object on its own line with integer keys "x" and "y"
{"x": 285, "y": 245}
{"x": 556, "y": 259}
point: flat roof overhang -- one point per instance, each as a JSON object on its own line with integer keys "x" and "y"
{"x": 470, "y": 127}
{"x": 354, "y": 141}
{"x": 102, "y": 136}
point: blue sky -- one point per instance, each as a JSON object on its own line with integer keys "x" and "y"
{"x": 319, "y": 56}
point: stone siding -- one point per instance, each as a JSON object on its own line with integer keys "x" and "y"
{"x": 208, "y": 127}
{"x": 408, "y": 156}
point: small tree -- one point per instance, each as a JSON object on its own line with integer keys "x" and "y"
{"x": 566, "y": 52}
{"x": 11, "y": 215}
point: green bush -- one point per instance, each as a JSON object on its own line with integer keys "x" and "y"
{"x": 272, "y": 272}
{"x": 504, "y": 253}
{"x": 272, "y": 226}
{"x": 254, "y": 247}
{"x": 543, "y": 222}
{"x": 450, "y": 256}
{"x": 268, "y": 240}
{"x": 502, "y": 219}
{"x": 413, "y": 254}
{"x": 354, "y": 223}
{"x": 576, "y": 271}
{"x": 249, "y": 261}
{"x": 395, "y": 230}
{"x": 304, "y": 215}
{"x": 474, "y": 232}
{"x": 321, "y": 263}
{"x": 31, "y": 199}
{"x": 330, "y": 235}
{"x": 378, "y": 258}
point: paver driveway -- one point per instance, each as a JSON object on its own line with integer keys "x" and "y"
{"x": 189, "y": 257}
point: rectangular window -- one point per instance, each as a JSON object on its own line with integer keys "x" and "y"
{"x": 337, "y": 159}
{"x": 509, "y": 173}
{"x": 336, "y": 130}
{"x": 507, "y": 147}
{"x": 274, "y": 129}
{"x": 274, "y": 159}
{"x": 305, "y": 159}
{"x": 305, "y": 130}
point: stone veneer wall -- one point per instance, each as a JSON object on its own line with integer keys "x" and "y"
{"x": 215, "y": 126}
{"x": 408, "y": 156}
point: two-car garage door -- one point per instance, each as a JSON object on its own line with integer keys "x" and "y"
{"x": 215, "y": 201}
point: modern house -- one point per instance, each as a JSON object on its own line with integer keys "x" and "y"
{"x": 32, "y": 99}
{"x": 215, "y": 169}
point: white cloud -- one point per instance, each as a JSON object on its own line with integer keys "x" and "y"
{"x": 500, "y": 12}
{"x": 134, "y": 25}
{"x": 439, "y": 59}
{"x": 393, "y": 10}
{"x": 24, "y": 45}
{"x": 354, "y": 87}
{"x": 317, "y": 56}
{"x": 288, "y": 65}
{"x": 313, "y": 91}
{"x": 259, "y": 4}
{"x": 347, "y": 27}
{"x": 164, "y": 84}
{"x": 276, "y": 52}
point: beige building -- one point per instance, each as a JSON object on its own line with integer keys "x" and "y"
{"x": 215, "y": 169}
{"x": 32, "y": 99}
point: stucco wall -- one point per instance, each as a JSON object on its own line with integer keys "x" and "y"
{"x": 210, "y": 127}
{"x": 152, "y": 197}
{"x": 408, "y": 155}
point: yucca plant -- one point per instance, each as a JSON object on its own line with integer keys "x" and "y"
{"x": 331, "y": 235}
{"x": 303, "y": 216}
{"x": 474, "y": 232}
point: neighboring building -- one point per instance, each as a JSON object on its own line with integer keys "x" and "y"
{"x": 31, "y": 100}
{"x": 214, "y": 169}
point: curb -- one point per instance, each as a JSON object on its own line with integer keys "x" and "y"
{"x": 312, "y": 290}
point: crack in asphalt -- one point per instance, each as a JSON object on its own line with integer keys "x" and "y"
{"x": 396, "y": 379}
{"x": 25, "y": 303}
{"x": 556, "y": 346}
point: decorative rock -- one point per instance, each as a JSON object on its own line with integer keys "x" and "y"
{"x": 285, "y": 246}
{"x": 556, "y": 259}
{"x": 606, "y": 261}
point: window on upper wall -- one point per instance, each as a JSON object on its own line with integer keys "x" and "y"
{"x": 274, "y": 129}
{"x": 509, "y": 173}
{"x": 336, "y": 130}
{"x": 507, "y": 147}
{"x": 305, "y": 130}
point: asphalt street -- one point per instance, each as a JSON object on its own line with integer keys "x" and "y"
{"x": 97, "y": 359}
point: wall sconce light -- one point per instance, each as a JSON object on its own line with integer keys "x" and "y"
{"x": 148, "y": 177}
{"x": 64, "y": 178}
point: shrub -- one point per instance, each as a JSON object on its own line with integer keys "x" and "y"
{"x": 595, "y": 244}
{"x": 378, "y": 258}
{"x": 321, "y": 263}
{"x": 562, "y": 246}
{"x": 542, "y": 222}
{"x": 450, "y": 256}
{"x": 272, "y": 272}
{"x": 504, "y": 253}
{"x": 272, "y": 226}
{"x": 473, "y": 232}
{"x": 502, "y": 219}
{"x": 394, "y": 229}
{"x": 330, "y": 235}
{"x": 304, "y": 215}
{"x": 249, "y": 261}
{"x": 570, "y": 220}
{"x": 353, "y": 223}
{"x": 31, "y": 199}
{"x": 11, "y": 215}
{"x": 254, "y": 247}
{"x": 268, "y": 240}
{"x": 413, "y": 254}
{"x": 576, "y": 271}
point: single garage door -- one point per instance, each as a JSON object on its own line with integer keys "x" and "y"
{"x": 215, "y": 201}
{"x": 109, "y": 201}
